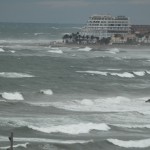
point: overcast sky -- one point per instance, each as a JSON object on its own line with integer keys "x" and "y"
{"x": 72, "y": 11}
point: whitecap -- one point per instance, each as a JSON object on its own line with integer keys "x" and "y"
{"x": 147, "y": 71}
{"x": 15, "y": 146}
{"x": 86, "y": 49}
{"x": 94, "y": 72}
{"x": 12, "y": 96}
{"x": 113, "y": 50}
{"x": 47, "y": 91}
{"x": 133, "y": 126}
{"x": 12, "y": 51}
{"x": 73, "y": 128}
{"x": 131, "y": 144}
{"x": 87, "y": 102}
{"x": 123, "y": 75}
{"x": 15, "y": 75}
{"x": 139, "y": 73}
{"x": 2, "y": 50}
{"x": 42, "y": 140}
{"x": 58, "y": 51}
{"x": 55, "y": 28}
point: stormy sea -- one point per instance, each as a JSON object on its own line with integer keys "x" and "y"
{"x": 71, "y": 98}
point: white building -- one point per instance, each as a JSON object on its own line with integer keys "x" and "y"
{"x": 106, "y": 26}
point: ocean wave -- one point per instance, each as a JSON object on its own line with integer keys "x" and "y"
{"x": 113, "y": 104}
{"x": 113, "y": 50}
{"x": 58, "y": 51}
{"x": 123, "y": 75}
{"x": 47, "y": 91}
{"x": 73, "y": 128}
{"x": 133, "y": 126}
{"x": 55, "y": 28}
{"x": 77, "y": 28}
{"x": 94, "y": 72}
{"x": 147, "y": 71}
{"x": 12, "y": 96}
{"x": 139, "y": 73}
{"x": 12, "y": 51}
{"x": 42, "y": 140}
{"x": 15, "y": 75}
{"x": 86, "y": 49}
{"x": 131, "y": 144}
{"x": 16, "y": 146}
{"x": 2, "y": 50}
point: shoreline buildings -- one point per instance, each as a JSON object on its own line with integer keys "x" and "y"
{"x": 104, "y": 26}
{"x": 107, "y": 29}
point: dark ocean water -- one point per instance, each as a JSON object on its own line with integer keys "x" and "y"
{"x": 71, "y": 98}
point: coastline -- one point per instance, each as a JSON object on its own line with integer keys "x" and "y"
{"x": 100, "y": 47}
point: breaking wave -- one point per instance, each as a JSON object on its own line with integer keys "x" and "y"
{"x": 12, "y": 96}
{"x": 15, "y": 75}
{"x": 94, "y": 72}
{"x": 58, "y": 51}
{"x": 134, "y": 126}
{"x": 113, "y": 50}
{"x": 15, "y": 146}
{"x": 123, "y": 75}
{"x": 73, "y": 128}
{"x": 86, "y": 49}
{"x": 139, "y": 73}
{"x": 131, "y": 144}
{"x": 42, "y": 140}
{"x": 47, "y": 91}
{"x": 1, "y": 50}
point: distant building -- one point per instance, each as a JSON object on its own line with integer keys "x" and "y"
{"x": 142, "y": 29}
{"x": 104, "y": 26}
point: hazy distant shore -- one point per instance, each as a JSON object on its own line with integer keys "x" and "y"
{"x": 100, "y": 47}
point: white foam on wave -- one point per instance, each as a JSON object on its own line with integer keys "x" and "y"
{"x": 147, "y": 71}
{"x": 58, "y": 51}
{"x": 15, "y": 146}
{"x": 12, "y": 51}
{"x": 123, "y": 75}
{"x": 15, "y": 75}
{"x": 139, "y": 73}
{"x": 133, "y": 126}
{"x": 2, "y": 50}
{"x": 86, "y": 49}
{"x": 55, "y": 28}
{"x": 42, "y": 140}
{"x": 12, "y": 96}
{"x": 131, "y": 144}
{"x": 94, "y": 72}
{"x": 47, "y": 91}
{"x": 73, "y": 128}
{"x": 113, "y": 50}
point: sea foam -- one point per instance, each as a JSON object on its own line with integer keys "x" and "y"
{"x": 47, "y": 91}
{"x": 73, "y": 128}
{"x": 139, "y": 73}
{"x": 58, "y": 51}
{"x": 15, "y": 146}
{"x": 12, "y": 96}
{"x": 42, "y": 140}
{"x": 86, "y": 49}
{"x": 94, "y": 72}
{"x": 1, "y": 50}
{"x": 134, "y": 126}
{"x": 15, "y": 75}
{"x": 131, "y": 144}
{"x": 123, "y": 75}
{"x": 114, "y": 50}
